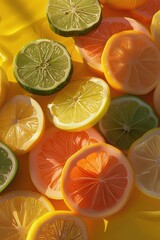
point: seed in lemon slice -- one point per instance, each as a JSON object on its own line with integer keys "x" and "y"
{"x": 43, "y": 67}
{"x": 80, "y": 104}
{"x": 92, "y": 44}
{"x": 58, "y": 225}
{"x": 130, "y": 62}
{"x": 72, "y": 17}
{"x": 8, "y": 166}
{"x": 21, "y": 123}
{"x": 155, "y": 28}
{"x": 18, "y": 210}
{"x": 4, "y": 84}
{"x": 48, "y": 157}
{"x": 127, "y": 119}
{"x": 144, "y": 155}
{"x": 97, "y": 181}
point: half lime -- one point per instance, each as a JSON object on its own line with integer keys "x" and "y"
{"x": 127, "y": 119}
{"x": 8, "y": 166}
{"x": 73, "y": 17}
{"x": 43, "y": 67}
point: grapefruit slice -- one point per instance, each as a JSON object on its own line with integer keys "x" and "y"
{"x": 97, "y": 181}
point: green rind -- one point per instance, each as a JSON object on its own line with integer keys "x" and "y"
{"x": 14, "y": 158}
{"x": 41, "y": 91}
{"x": 124, "y": 145}
{"x": 73, "y": 33}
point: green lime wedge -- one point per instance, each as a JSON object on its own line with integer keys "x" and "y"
{"x": 73, "y": 17}
{"x": 8, "y": 166}
{"x": 127, "y": 119}
{"x": 43, "y": 67}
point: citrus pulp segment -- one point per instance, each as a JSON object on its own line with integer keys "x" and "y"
{"x": 80, "y": 104}
{"x": 8, "y": 166}
{"x": 130, "y": 62}
{"x": 127, "y": 119}
{"x": 144, "y": 155}
{"x": 48, "y": 157}
{"x": 4, "y": 84}
{"x": 58, "y": 225}
{"x": 125, "y": 4}
{"x": 145, "y": 12}
{"x": 43, "y": 67}
{"x": 92, "y": 44}
{"x": 97, "y": 181}
{"x": 21, "y": 123}
{"x": 73, "y": 17}
{"x": 18, "y": 211}
{"x": 155, "y": 27}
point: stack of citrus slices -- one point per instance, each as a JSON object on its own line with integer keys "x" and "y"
{"x": 87, "y": 140}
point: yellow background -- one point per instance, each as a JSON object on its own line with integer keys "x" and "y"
{"x": 23, "y": 21}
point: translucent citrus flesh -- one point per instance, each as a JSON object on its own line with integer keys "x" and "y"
{"x": 145, "y": 12}
{"x": 127, "y": 119}
{"x": 155, "y": 27}
{"x": 131, "y": 62}
{"x": 48, "y": 158}
{"x": 21, "y": 123}
{"x": 42, "y": 66}
{"x": 4, "y": 84}
{"x": 97, "y": 182}
{"x": 18, "y": 210}
{"x": 125, "y": 4}
{"x": 144, "y": 155}
{"x": 58, "y": 225}
{"x": 8, "y": 166}
{"x": 80, "y": 104}
{"x": 91, "y": 45}
{"x": 73, "y": 17}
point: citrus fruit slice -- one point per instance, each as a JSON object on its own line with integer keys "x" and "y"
{"x": 125, "y": 4}
{"x": 155, "y": 27}
{"x": 18, "y": 210}
{"x": 145, "y": 12}
{"x": 21, "y": 123}
{"x": 97, "y": 181}
{"x": 91, "y": 45}
{"x": 4, "y": 84}
{"x": 58, "y": 225}
{"x": 47, "y": 159}
{"x": 43, "y": 67}
{"x": 144, "y": 155}
{"x": 127, "y": 119}
{"x": 8, "y": 166}
{"x": 130, "y": 62}
{"x": 72, "y": 17}
{"x": 80, "y": 104}
{"x": 156, "y": 97}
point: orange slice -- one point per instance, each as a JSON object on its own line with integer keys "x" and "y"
{"x": 47, "y": 159}
{"x": 131, "y": 62}
{"x": 21, "y": 123}
{"x": 125, "y": 4}
{"x": 145, "y": 12}
{"x": 58, "y": 225}
{"x": 92, "y": 44}
{"x": 97, "y": 181}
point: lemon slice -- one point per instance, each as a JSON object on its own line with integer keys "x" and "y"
{"x": 21, "y": 123}
{"x": 80, "y": 104}
{"x": 18, "y": 210}
{"x": 72, "y": 17}
{"x": 144, "y": 155}
{"x": 58, "y": 225}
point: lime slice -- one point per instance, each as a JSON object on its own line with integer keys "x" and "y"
{"x": 43, "y": 67}
{"x": 73, "y": 17}
{"x": 80, "y": 104}
{"x": 127, "y": 119}
{"x": 8, "y": 166}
